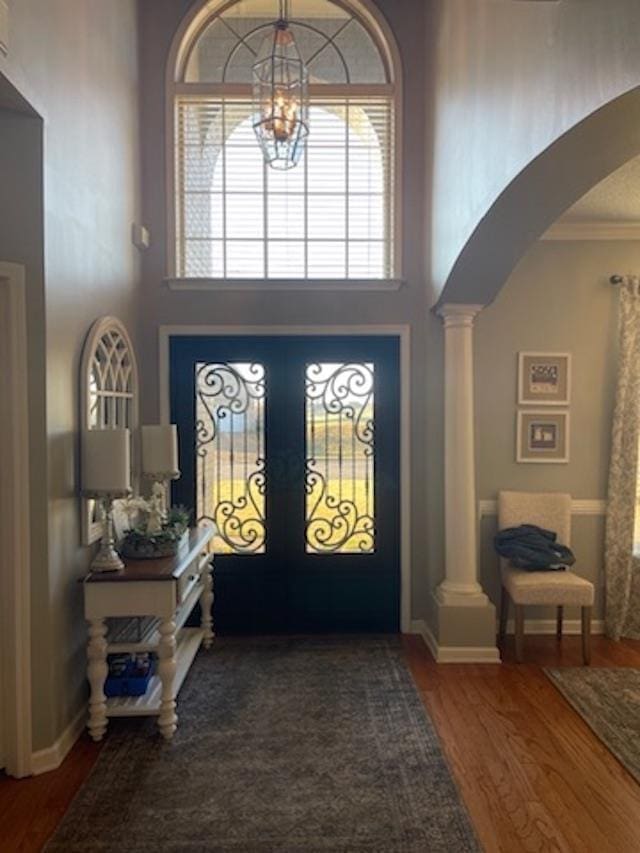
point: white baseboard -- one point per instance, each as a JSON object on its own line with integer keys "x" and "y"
{"x": 488, "y": 654}
{"x": 52, "y": 757}
{"x": 419, "y": 626}
{"x": 454, "y": 654}
{"x": 548, "y": 626}
{"x": 468, "y": 654}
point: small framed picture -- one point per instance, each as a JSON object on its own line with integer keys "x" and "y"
{"x": 544, "y": 378}
{"x": 542, "y": 436}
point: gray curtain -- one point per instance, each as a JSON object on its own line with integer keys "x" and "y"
{"x": 622, "y": 565}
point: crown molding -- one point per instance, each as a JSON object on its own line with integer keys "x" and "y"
{"x": 568, "y": 230}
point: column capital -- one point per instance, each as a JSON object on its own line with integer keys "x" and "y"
{"x": 458, "y": 313}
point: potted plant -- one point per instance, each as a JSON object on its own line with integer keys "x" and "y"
{"x": 154, "y": 532}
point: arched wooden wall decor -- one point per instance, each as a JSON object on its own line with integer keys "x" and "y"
{"x": 109, "y": 397}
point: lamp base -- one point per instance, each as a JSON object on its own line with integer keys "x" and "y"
{"x": 106, "y": 560}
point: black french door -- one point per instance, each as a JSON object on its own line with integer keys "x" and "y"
{"x": 290, "y": 446}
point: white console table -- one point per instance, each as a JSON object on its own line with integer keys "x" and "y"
{"x": 165, "y": 590}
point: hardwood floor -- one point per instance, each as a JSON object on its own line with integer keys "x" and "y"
{"x": 30, "y": 809}
{"x": 532, "y": 773}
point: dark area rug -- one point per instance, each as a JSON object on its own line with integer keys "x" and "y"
{"x": 290, "y": 745}
{"x": 609, "y": 702}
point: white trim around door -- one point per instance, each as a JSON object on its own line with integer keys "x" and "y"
{"x": 165, "y": 333}
{"x": 15, "y": 570}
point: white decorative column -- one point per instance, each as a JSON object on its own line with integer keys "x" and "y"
{"x": 466, "y": 618}
{"x": 460, "y": 585}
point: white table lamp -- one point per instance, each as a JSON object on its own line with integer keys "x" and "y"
{"x": 160, "y": 451}
{"x": 106, "y": 476}
{"x": 160, "y": 457}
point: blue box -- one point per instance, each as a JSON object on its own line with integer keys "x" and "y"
{"x": 128, "y": 676}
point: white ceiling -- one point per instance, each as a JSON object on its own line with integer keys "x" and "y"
{"x": 615, "y": 199}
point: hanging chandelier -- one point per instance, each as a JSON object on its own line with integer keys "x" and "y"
{"x": 281, "y": 96}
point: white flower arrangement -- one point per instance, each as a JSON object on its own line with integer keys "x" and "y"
{"x": 147, "y": 516}
{"x": 154, "y": 531}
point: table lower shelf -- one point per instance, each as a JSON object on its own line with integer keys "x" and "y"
{"x": 151, "y": 640}
{"x": 148, "y": 705}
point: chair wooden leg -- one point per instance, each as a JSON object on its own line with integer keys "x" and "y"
{"x": 519, "y": 632}
{"x": 504, "y": 614}
{"x": 586, "y": 635}
{"x": 559, "y": 623}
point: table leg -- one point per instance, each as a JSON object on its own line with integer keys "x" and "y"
{"x": 206, "y": 602}
{"x": 168, "y": 719}
{"x": 97, "y": 674}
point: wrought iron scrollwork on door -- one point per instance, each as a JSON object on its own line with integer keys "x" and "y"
{"x": 231, "y": 478}
{"x": 339, "y": 475}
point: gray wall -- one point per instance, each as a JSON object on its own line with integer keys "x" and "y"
{"x": 512, "y": 77}
{"x": 75, "y": 62}
{"x": 558, "y": 299}
{"x": 158, "y": 22}
{"x": 21, "y": 241}
{"x": 496, "y": 72}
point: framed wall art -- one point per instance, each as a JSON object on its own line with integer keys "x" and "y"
{"x": 544, "y": 378}
{"x": 542, "y": 436}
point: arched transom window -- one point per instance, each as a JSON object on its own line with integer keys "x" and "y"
{"x": 330, "y": 217}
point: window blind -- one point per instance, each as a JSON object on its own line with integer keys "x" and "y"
{"x": 328, "y": 218}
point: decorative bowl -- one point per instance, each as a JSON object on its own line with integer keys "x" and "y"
{"x": 140, "y": 547}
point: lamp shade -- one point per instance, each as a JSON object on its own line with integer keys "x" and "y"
{"x": 160, "y": 450}
{"x": 106, "y": 461}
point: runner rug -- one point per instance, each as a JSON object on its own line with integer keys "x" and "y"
{"x": 290, "y": 745}
{"x": 609, "y": 702}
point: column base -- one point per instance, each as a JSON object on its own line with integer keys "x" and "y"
{"x": 453, "y": 594}
{"x": 465, "y": 633}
